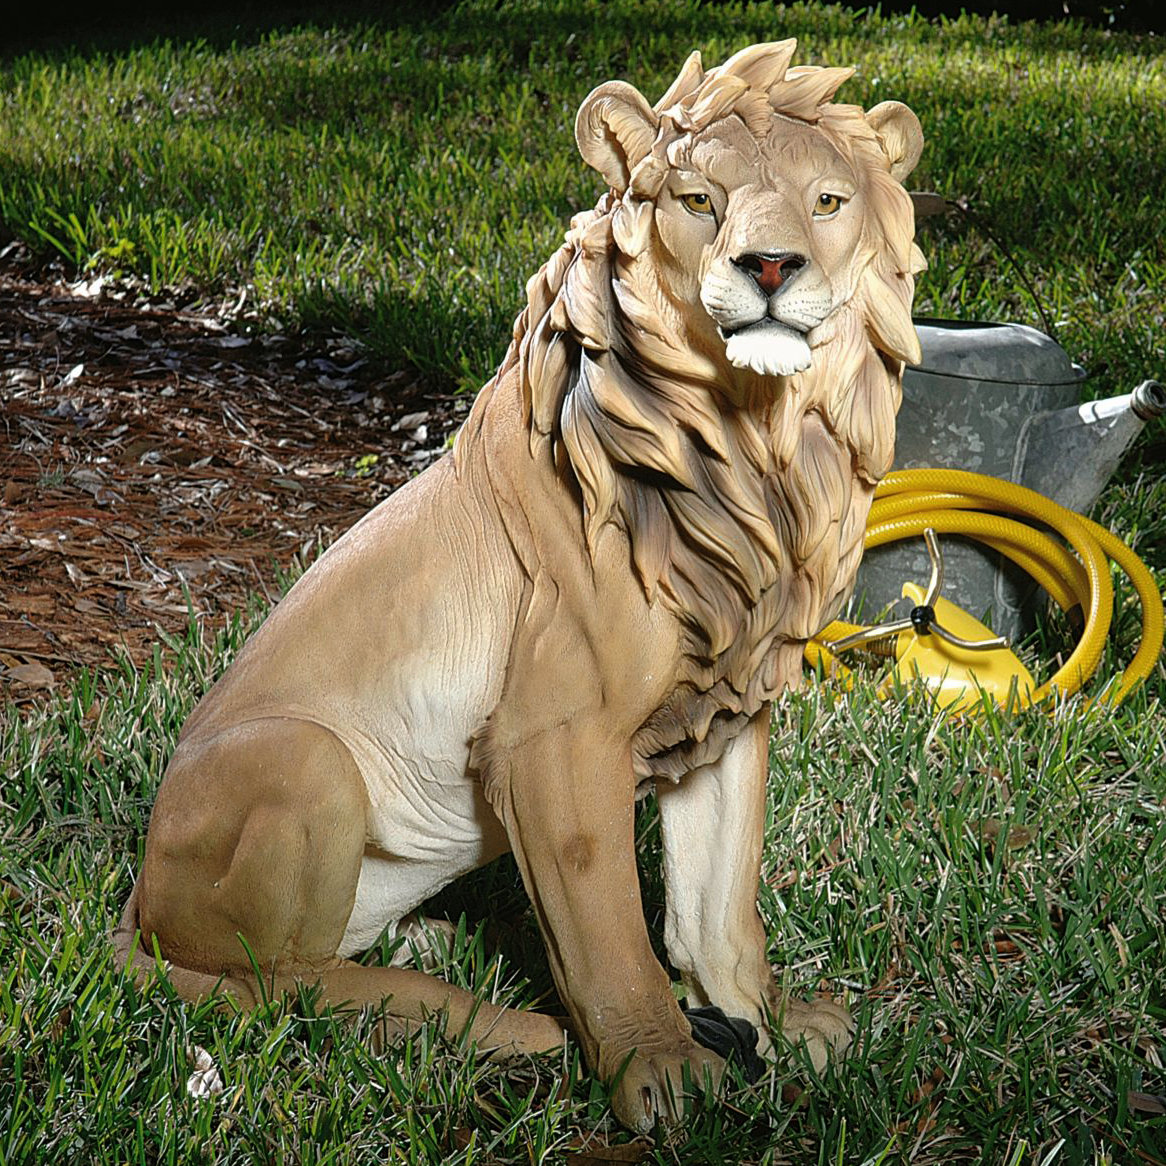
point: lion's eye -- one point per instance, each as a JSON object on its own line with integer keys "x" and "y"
{"x": 699, "y": 204}
{"x": 827, "y": 205}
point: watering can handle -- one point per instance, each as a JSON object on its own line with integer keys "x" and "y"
{"x": 929, "y": 204}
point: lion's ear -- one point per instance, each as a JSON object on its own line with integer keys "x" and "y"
{"x": 615, "y": 129}
{"x": 900, "y": 135}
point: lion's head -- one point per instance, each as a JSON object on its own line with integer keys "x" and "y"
{"x": 717, "y": 349}
{"x": 757, "y": 197}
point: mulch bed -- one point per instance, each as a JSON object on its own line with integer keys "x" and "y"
{"x": 156, "y": 457}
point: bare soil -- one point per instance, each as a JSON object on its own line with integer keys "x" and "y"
{"x": 158, "y": 458}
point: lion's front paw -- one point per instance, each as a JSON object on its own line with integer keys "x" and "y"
{"x": 653, "y": 1087}
{"x": 824, "y": 1027}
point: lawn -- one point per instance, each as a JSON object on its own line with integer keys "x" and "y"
{"x": 989, "y": 895}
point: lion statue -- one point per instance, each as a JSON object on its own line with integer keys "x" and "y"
{"x": 652, "y": 505}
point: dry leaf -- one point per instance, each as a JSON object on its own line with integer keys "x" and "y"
{"x": 411, "y": 421}
{"x": 15, "y": 378}
{"x": 1152, "y": 1103}
{"x": 72, "y": 376}
{"x": 1017, "y": 836}
{"x": 88, "y": 288}
{"x": 35, "y": 675}
{"x": 598, "y": 1154}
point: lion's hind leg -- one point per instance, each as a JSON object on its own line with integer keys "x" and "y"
{"x": 397, "y": 1000}
{"x": 252, "y": 862}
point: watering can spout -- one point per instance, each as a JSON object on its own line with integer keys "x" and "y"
{"x": 1069, "y": 454}
{"x": 1148, "y": 400}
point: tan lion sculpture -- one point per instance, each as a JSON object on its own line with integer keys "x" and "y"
{"x": 657, "y": 499}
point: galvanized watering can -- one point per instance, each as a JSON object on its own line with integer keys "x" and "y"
{"x": 1000, "y": 399}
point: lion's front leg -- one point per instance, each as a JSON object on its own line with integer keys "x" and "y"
{"x": 712, "y": 824}
{"x": 566, "y": 797}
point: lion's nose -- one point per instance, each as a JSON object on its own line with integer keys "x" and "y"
{"x": 769, "y": 272}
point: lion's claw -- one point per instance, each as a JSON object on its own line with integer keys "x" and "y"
{"x": 653, "y": 1088}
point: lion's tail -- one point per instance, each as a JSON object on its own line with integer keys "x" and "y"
{"x": 125, "y": 934}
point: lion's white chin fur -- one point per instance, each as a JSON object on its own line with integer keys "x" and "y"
{"x": 768, "y": 348}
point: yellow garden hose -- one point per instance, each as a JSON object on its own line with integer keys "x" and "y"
{"x": 998, "y": 513}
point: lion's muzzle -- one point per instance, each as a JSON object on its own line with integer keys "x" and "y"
{"x": 764, "y": 303}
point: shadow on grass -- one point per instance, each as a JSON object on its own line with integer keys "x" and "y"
{"x": 120, "y": 27}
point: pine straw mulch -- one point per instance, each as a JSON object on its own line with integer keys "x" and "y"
{"x": 153, "y": 451}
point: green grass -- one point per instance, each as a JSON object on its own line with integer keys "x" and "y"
{"x": 989, "y": 895}
{"x": 401, "y": 183}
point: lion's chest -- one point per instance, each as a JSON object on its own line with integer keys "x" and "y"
{"x": 817, "y": 509}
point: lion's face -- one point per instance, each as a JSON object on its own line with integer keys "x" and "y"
{"x": 765, "y": 235}
{"x": 758, "y": 221}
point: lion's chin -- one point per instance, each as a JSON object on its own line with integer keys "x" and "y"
{"x": 768, "y": 348}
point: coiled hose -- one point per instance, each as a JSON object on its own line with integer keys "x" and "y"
{"x": 997, "y": 513}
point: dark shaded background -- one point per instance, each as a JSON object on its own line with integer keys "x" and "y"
{"x": 113, "y": 26}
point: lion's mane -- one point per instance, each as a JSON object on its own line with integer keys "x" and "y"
{"x": 745, "y": 517}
